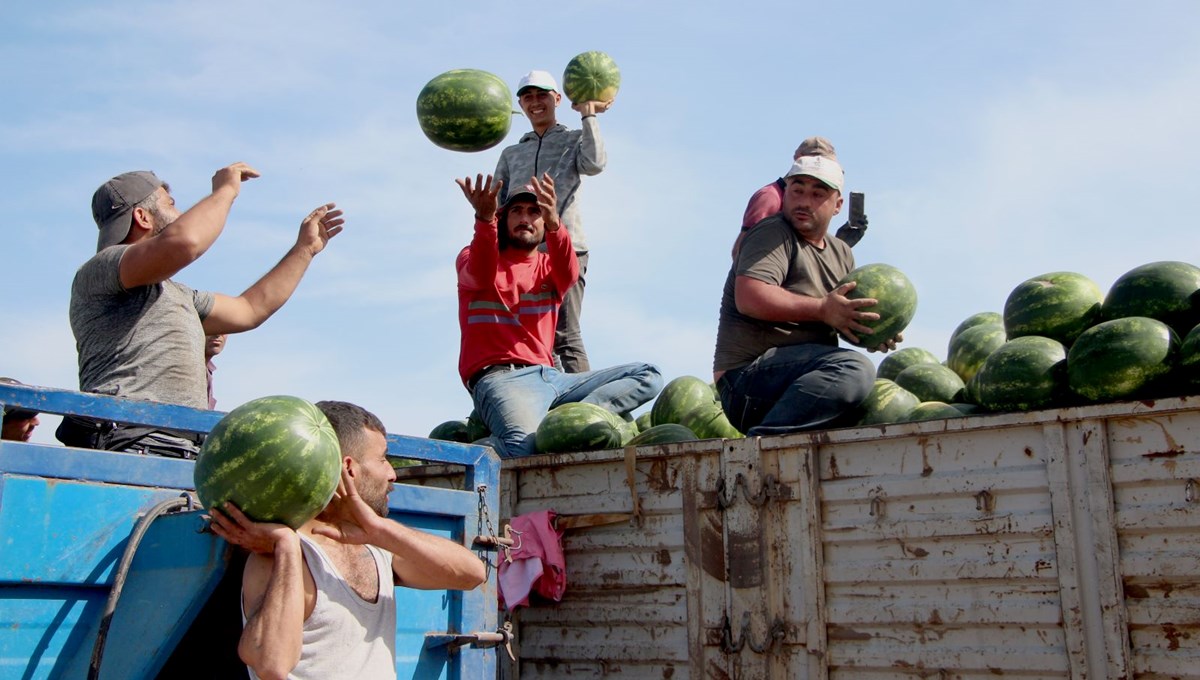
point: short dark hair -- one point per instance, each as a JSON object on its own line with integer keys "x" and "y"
{"x": 349, "y": 421}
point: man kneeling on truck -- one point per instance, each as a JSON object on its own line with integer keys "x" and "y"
{"x": 319, "y": 602}
{"x": 509, "y": 295}
{"x": 777, "y": 365}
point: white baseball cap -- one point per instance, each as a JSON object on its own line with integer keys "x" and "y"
{"x": 826, "y": 170}
{"x": 539, "y": 79}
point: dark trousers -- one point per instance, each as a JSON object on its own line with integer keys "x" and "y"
{"x": 569, "y": 354}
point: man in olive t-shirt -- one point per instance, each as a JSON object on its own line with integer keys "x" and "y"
{"x": 777, "y": 364}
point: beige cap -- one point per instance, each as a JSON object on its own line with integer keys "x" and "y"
{"x": 827, "y": 170}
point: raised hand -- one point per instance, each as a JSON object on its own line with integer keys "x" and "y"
{"x": 348, "y": 517}
{"x": 322, "y": 224}
{"x": 483, "y": 195}
{"x": 232, "y": 177}
{"x": 591, "y": 108}
{"x": 547, "y": 200}
{"x": 231, "y": 524}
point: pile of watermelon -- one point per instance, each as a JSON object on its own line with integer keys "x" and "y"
{"x": 1060, "y": 341}
{"x": 686, "y": 410}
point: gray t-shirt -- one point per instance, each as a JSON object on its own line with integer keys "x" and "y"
{"x": 774, "y": 253}
{"x": 144, "y": 343}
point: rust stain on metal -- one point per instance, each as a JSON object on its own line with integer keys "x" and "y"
{"x": 843, "y": 633}
{"x": 712, "y": 547}
{"x": 918, "y": 552}
{"x": 1174, "y": 635}
{"x": 668, "y": 672}
{"x": 935, "y": 618}
{"x": 664, "y": 557}
{"x": 1087, "y": 436}
{"x": 1043, "y": 564}
{"x": 833, "y": 466}
{"x": 1028, "y": 452}
{"x": 662, "y": 477}
{"x": 1135, "y": 591}
{"x": 716, "y": 672}
{"x": 1163, "y": 454}
{"x": 745, "y": 559}
{"x": 926, "y": 468}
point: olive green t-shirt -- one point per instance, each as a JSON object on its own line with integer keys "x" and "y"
{"x": 772, "y": 252}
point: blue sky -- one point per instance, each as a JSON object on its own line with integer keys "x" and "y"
{"x": 994, "y": 142}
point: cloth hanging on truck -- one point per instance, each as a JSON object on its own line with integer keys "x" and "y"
{"x": 535, "y": 564}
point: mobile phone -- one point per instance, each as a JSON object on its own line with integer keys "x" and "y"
{"x": 856, "y": 207}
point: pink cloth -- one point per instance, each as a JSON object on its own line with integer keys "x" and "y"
{"x": 537, "y": 565}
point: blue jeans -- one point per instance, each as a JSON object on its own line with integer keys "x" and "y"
{"x": 513, "y": 403}
{"x": 796, "y": 388}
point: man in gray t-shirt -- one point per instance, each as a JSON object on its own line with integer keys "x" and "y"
{"x": 777, "y": 364}
{"x": 141, "y": 335}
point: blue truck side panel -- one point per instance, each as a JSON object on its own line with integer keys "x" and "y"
{"x": 65, "y": 520}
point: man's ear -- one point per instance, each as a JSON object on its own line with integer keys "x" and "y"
{"x": 348, "y": 465}
{"x": 557, "y": 98}
{"x": 142, "y": 218}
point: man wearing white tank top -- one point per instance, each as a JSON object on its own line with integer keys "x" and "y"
{"x": 318, "y": 602}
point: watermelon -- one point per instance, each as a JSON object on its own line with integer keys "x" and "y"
{"x": 643, "y": 422}
{"x": 971, "y": 347}
{"x": 465, "y": 110}
{"x": 591, "y": 77}
{"x": 931, "y": 382}
{"x": 933, "y": 410}
{"x": 1189, "y": 361}
{"x": 451, "y": 431}
{"x": 476, "y": 428}
{"x": 1167, "y": 291}
{"x": 709, "y": 421}
{"x": 901, "y": 359}
{"x": 887, "y": 403}
{"x": 667, "y": 433}
{"x": 1023, "y": 374}
{"x": 277, "y": 458}
{"x": 680, "y": 396}
{"x": 966, "y": 409}
{"x": 896, "y": 301}
{"x": 1058, "y": 305}
{"x": 1122, "y": 358}
{"x": 579, "y": 426}
{"x": 977, "y": 319}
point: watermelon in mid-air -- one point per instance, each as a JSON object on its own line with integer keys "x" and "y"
{"x": 277, "y": 458}
{"x": 465, "y": 110}
{"x": 591, "y": 77}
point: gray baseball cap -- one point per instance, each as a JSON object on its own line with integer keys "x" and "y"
{"x": 113, "y": 203}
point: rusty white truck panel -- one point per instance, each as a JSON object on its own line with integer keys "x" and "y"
{"x": 1052, "y": 544}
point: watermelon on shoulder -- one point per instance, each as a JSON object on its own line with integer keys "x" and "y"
{"x": 276, "y": 458}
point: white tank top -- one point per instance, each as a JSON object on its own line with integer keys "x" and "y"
{"x": 346, "y": 636}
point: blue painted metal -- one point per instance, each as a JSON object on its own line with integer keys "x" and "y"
{"x": 65, "y": 519}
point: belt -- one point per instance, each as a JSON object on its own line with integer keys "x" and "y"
{"x": 489, "y": 370}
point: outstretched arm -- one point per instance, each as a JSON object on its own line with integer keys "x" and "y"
{"x": 592, "y": 157}
{"x": 419, "y": 560}
{"x": 273, "y": 592}
{"x": 258, "y": 302}
{"x": 182, "y": 242}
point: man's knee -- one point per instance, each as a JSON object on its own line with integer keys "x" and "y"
{"x": 856, "y": 376}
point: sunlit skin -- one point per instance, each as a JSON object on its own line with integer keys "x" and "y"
{"x": 809, "y": 206}
{"x": 539, "y": 107}
{"x": 213, "y": 344}
{"x": 19, "y": 429}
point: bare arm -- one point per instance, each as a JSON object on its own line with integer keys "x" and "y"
{"x": 154, "y": 260}
{"x": 258, "y": 302}
{"x": 769, "y": 302}
{"x": 274, "y": 592}
{"x": 419, "y": 560}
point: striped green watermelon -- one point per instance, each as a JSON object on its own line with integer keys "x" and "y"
{"x": 1167, "y": 291}
{"x": 1058, "y": 305}
{"x": 591, "y": 77}
{"x": 971, "y": 347}
{"x": 933, "y": 410}
{"x": 465, "y": 110}
{"x": 708, "y": 421}
{"x": 579, "y": 426}
{"x": 667, "y": 433}
{"x": 1122, "y": 358}
{"x": 277, "y": 458}
{"x": 887, "y": 403}
{"x": 680, "y": 396}
{"x": 896, "y": 301}
{"x": 1023, "y": 374}
{"x": 451, "y": 431}
{"x": 931, "y": 382}
{"x": 977, "y": 319}
{"x": 1189, "y": 361}
{"x": 901, "y": 359}
{"x": 643, "y": 422}
{"x": 476, "y": 428}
